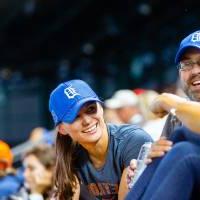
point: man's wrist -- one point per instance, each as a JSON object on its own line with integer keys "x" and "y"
{"x": 173, "y": 111}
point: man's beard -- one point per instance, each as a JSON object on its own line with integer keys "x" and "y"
{"x": 191, "y": 94}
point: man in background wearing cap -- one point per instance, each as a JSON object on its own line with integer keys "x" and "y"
{"x": 126, "y": 104}
{"x": 188, "y": 61}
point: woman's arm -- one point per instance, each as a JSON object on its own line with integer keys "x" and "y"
{"x": 158, "y": 149}
{"x": 188, "y": 112}
{"x": 123, "y": 186}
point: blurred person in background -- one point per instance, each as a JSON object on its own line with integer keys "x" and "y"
{"x": 188, "y": 61}
{"x": 9, "y": 180}
{"x": 126, "y": 104}
{"x": 37, "y": 136}
{"x": 152, "y": 123}
{"x": 90, "y": 152}
{"x": 111, "y": 116}
{"x": 38, "y": 164}
{"x": 42, "y": 135}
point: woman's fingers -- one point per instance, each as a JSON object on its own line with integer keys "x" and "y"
{"x": 131, "y": 170}
{"x": 133, "y": 164}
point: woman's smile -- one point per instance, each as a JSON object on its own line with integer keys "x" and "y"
{"x": 91, "y": 130}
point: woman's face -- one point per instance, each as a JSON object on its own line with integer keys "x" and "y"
{"x": 37, "y": 177}
{"x": 88, "y": 126}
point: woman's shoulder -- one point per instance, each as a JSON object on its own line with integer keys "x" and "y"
{"x": 123, "y": 131}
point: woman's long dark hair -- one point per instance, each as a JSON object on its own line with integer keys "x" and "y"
{"x": 65, "y": 171}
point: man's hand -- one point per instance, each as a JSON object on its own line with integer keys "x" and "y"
{"x": 164, "y": 102}
{"x": 159, "y": 148}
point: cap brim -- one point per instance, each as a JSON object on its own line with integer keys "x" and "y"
{"x": 71, "y": 114}
{"x": 182, "y": 50}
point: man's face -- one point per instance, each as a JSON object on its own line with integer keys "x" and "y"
{"x": 190, "y": 78}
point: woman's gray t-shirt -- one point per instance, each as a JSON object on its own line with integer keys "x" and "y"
{"x": 124, "y": 144}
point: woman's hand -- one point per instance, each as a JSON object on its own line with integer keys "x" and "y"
{"x": 131, "y": 171}
{"x": 158, "y": 149}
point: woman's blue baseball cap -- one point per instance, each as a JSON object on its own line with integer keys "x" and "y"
{"x": 67, "y": 99}
{"x": 191, "y": 41}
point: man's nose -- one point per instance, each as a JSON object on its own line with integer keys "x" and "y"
{"x": 196, "y": 68}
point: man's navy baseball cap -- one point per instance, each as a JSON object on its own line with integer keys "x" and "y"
{"x": 192, "y": 40}
{"x": 67, "y": 98}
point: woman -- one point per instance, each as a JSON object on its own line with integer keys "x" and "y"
{"x": 90, "y": 152}
{"x": 38, "y": 165}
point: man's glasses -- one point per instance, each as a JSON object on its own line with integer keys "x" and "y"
{"x": 188, "y": 65}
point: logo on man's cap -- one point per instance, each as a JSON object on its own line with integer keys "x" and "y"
{"x": 191, "y": 41}
{"x": 71, "y": 92}
{"x": 196, "y": 37}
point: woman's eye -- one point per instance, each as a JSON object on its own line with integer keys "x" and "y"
{"x": 92, "y": 109}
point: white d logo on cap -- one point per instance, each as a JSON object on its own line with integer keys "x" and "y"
{"x": 196, "y": 37}
{"x": 70, "y": 92}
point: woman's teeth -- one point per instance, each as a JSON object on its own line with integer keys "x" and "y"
{"x": 90, "y": 129}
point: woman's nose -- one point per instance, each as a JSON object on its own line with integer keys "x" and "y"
{"x": 86, "y": 119}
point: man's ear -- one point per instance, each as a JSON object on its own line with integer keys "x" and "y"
{"x": 61, "y": 129}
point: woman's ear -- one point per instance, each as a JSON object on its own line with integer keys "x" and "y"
{"x": 61, "y": 129}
